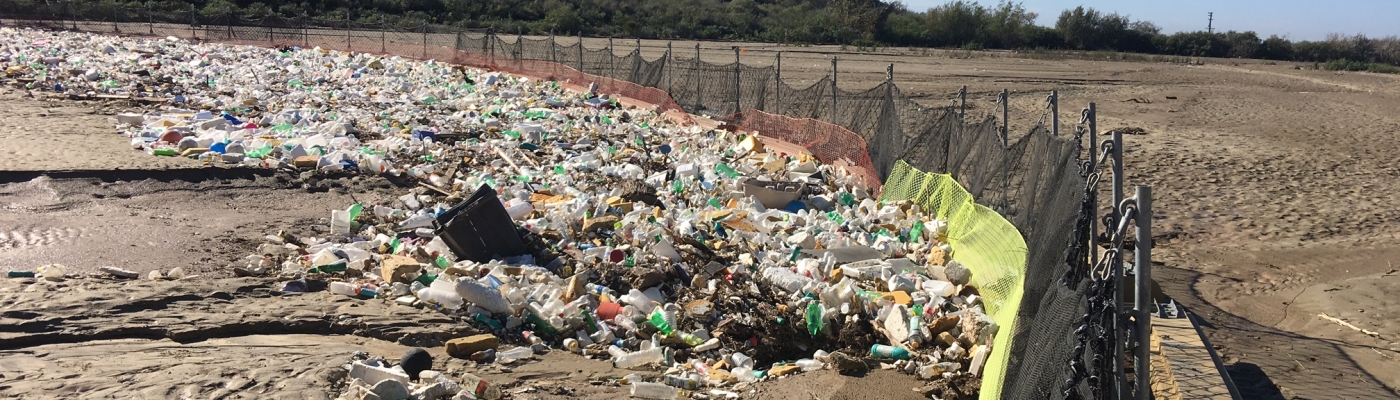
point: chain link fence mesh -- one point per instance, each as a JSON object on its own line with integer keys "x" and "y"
{"x": 1035, "y": 181}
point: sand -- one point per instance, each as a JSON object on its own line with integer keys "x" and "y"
{"x": 1275, "y": 197}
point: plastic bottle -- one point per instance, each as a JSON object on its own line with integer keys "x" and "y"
{"x": 651, "y": 390}
{"x": 708, "y": 345}
{"x": 513, "y": 354}
{"x": 783, "y": 278}
{"x": 343, "y": 288}
{"x": 482, "y": 296}
{"x": 448, "y": 300}
{"x": 883, "y": 351}
{"x": 809, "y": 365}
{"x": 938, "y": 288}
{"x": 814, "y": 317}
{"x": 682, "y": 382}
{"x": 658, "y": 320}
{"x": 639, "y": 358}
{"x": 480, "y": 387}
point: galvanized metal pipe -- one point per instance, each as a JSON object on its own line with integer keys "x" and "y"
{"x": 1142, "y": 263}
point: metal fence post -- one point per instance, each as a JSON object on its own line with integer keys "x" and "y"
{"x": 270, "y": 39}
{"x": 778, "y": 85}
{"x": 670, "y": 71}
{"x": 425, "y": 40}
{"x": 115, "y": 28}
{"x": 383, "y": 33}
{"x": 889, "y": 79}
{"x": 1055, "y": 114}
{"x": 194, "y": 20}
{"x": 612, "y": 59}
{"x": 1142, "y": 280}
{"x": 491, "y": 40}
{"x": 348, "y": 47}
{"x": 1005, "y": 146}
{"x": 696, "y": 75}
{"x": 1091, "y": 115}
{"x": 834, "y": 89}
{"x": 553, "y": 48}
{"x": 228, "y": 26}
{"x": 519, "y": 45}
{"x": 150, "y": 19}
{"x": 962, "y": 104}
{"x": 305, "y": 30}
{"x": 580, "y": 51}
{"x": 738, "y": 67}
{"x": 1006, "y": 115}
{"x": 1119, "y": 380}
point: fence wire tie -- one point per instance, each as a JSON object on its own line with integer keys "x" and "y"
{"x": 1084, "y": 116}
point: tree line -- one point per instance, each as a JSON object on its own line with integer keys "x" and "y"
{"x": 960, "y": 24}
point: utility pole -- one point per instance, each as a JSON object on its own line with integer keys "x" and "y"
{"x": 1210, "y": 22}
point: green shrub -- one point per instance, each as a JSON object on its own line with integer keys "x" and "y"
{"x": 1348, "y": 65}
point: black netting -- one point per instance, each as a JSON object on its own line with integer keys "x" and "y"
{"x": 1034, "y": 179}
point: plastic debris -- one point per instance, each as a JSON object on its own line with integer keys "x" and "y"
{"x": 550, "y": 216}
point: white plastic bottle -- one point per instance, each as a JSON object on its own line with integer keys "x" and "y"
{"x": 809, "y": 365}
{"x": 511, "y": 355}
{"x": 639, "y": 358}
{"x": 482, "y": 296}
{"x": 652, "y": 390}
{"x": 342, "y": 288}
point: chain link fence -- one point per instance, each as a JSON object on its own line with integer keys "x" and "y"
{"x": 1043, "y": 182}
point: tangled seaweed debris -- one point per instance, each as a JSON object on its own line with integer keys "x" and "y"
{"x": 554, "y": 219}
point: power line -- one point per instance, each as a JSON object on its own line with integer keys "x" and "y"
{"x": 1210, "y": 24}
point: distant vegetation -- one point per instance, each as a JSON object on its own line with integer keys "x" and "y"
{"x": 866, "y": 23}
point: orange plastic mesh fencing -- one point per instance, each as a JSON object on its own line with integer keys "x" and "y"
{"x": 828, "y": 142}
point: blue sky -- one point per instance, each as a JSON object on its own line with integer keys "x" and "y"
{"x": 1294, "y": 19}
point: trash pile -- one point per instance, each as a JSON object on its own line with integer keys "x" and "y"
{"x": 553, "y": 219}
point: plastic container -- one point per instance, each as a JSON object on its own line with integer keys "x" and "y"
{"x": 608, "y": 310}
{"x": 808, "y": 365}
{"x": 883, "y": 351}
{"x": 651, "y": 390}
{"x": 56, "y": 272}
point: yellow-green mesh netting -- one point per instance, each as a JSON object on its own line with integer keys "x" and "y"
{"x": 984, "y": 242}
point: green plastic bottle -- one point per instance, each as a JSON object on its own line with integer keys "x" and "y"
{"x": 814, "y": 318}
{"x": 726, "y": 171}
{"x": 658, "y": 320}
{"x": 848, "y": 199}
